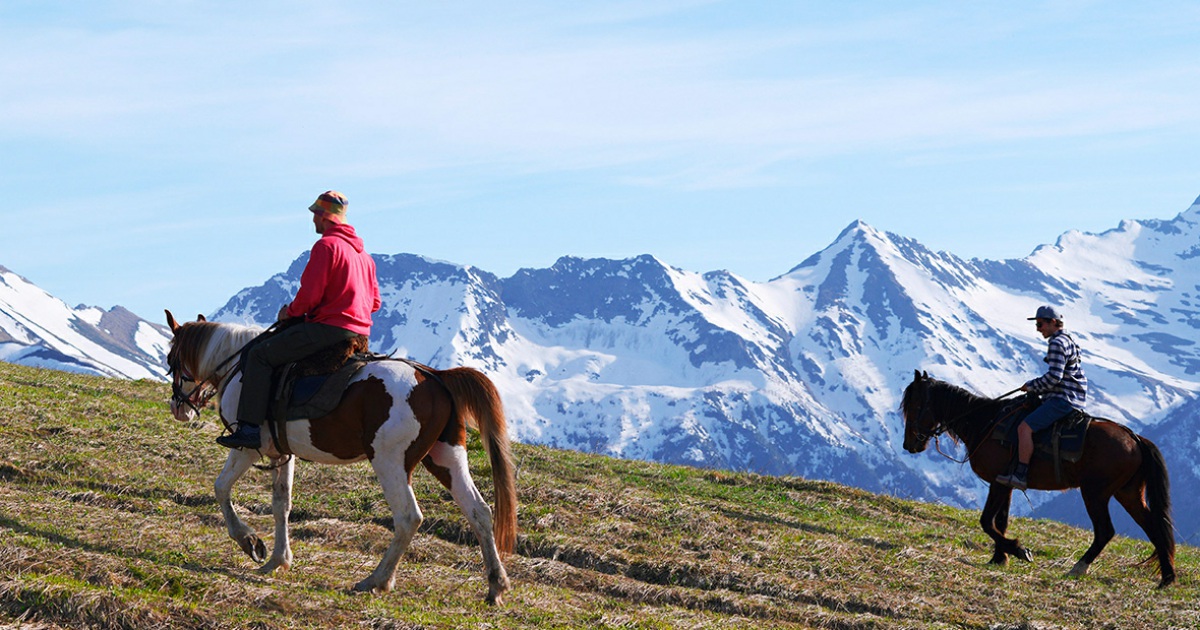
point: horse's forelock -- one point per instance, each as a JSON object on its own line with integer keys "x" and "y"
{"x": 188, "y": 345}
{"x": 909, "y": 400}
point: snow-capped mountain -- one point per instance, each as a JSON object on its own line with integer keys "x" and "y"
{"x": 38, "y": 329}
{"x": 802, "y": 374}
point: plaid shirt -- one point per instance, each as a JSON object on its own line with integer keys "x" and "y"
{"x": 1064, "y": 379}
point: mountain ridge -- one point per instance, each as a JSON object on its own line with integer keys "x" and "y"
{"x": 800, "y": 374}
{"x": 40, "y": 330}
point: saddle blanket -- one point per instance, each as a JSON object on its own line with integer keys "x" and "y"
{"x": 1062, "y": 439}
{"x": 313, "y": 396}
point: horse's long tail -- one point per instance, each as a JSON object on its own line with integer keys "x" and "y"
{"x": 1161, "y": 527}
{"x": 474, "y": 394}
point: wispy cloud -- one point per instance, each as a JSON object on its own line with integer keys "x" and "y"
{"x": 391, "y": 94}
{"x": 189, "y": 119}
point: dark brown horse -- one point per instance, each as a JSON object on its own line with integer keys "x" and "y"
{"x": 1115, "y": 462}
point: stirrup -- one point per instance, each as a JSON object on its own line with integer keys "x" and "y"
{"x": 246, "y": 436}
{"x": 1012, "y": 480}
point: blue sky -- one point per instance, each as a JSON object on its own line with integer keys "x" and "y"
{"x": 163, "y": 154}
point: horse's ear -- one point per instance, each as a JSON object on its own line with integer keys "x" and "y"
{"x": 926, "y": 375}
{"x": 200, "y": 318}
{"x": 171, "y": 323}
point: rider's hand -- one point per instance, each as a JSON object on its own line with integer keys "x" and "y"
{"x": 282, "y": 313}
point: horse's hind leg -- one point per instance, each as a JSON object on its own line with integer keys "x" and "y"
{"x": 406, "y": 518}
{"x": 281, "y": 508}
{"x": 1095, "y": 499}
{"x": 1131, "y": 500}
{"x": 236, "y": 465}
{"x": 449, "y": 464}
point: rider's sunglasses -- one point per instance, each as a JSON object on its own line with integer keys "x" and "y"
{"x": 1040, "y": 323}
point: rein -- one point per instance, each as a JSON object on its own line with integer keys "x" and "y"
{"x": 204, "y": 390}
{"x": 207, "y": 388}
{"x": 941, "y": 427}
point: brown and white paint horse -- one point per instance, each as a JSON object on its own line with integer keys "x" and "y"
{"x": 391, "y": 415}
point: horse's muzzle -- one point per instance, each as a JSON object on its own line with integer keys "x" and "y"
{"x": 182, "y": 413}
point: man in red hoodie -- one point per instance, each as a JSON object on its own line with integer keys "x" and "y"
{"x": 338, "y": 292}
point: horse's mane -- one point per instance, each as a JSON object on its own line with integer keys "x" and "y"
{"x": 966, "y": 406}
{"x": 203, "y": 346}
{"x": 958, "y": 395}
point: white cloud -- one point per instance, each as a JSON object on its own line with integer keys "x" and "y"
{"x": 174, "y": 105}
{"x": 391, "y": 93}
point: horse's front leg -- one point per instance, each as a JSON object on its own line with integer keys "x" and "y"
{"x": 281, "y": 508}
{"x": 994, "y": 522}
{"x": 236, "y": 465}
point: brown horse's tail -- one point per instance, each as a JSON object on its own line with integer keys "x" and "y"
{"x": 1161, "y": 527}
{"x": 474, "y": 394}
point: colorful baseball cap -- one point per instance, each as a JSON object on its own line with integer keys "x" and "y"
{"x": 331, "y": 204}
{"x": 1047, "y": 312}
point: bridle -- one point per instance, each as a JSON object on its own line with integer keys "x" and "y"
{"x": 938, "y": 427}
{"x": 202, "y": 391}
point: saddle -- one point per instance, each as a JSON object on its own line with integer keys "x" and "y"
{"x": 1061, "y": 441}
{"x": 313, "y": 386}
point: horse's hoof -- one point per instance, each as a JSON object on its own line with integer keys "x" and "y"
{"x": 1079, "y": 570}
{"x": 272, "y": 565}
{"x": 495, "y": 596}
{"x": 1024, "y": 554}
{"x": 369, "y": 586}
{"x": 1167, "y": 580}
{"x": 254, "y": 547}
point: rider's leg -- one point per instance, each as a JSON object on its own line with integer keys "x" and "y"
{"x": 1050, "y": 411}
{"x": 288, "y": 345}
{"x": 1024, "y": 443}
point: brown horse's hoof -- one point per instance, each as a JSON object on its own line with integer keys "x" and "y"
{"x": 254, "y": 547}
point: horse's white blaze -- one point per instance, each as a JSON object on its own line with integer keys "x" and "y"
{"x": 182, "y": 413}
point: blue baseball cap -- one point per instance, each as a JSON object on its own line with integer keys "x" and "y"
{"x": 1047, "y": 312}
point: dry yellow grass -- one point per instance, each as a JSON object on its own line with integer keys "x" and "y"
{"x": 107, "y": 520}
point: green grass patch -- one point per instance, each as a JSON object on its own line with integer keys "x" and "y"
{"x": 107, "y": 519}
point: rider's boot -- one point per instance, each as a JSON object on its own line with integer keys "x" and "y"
{"x": 1017, "y": 477}
{"x": 246, "y": 436}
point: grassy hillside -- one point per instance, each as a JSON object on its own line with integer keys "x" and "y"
{"x": 107, "y": 519}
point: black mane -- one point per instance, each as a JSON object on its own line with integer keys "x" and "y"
{"x": 964, "y": 414}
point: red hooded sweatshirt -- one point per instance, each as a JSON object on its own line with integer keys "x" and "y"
{"x": 338, "y": 286}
